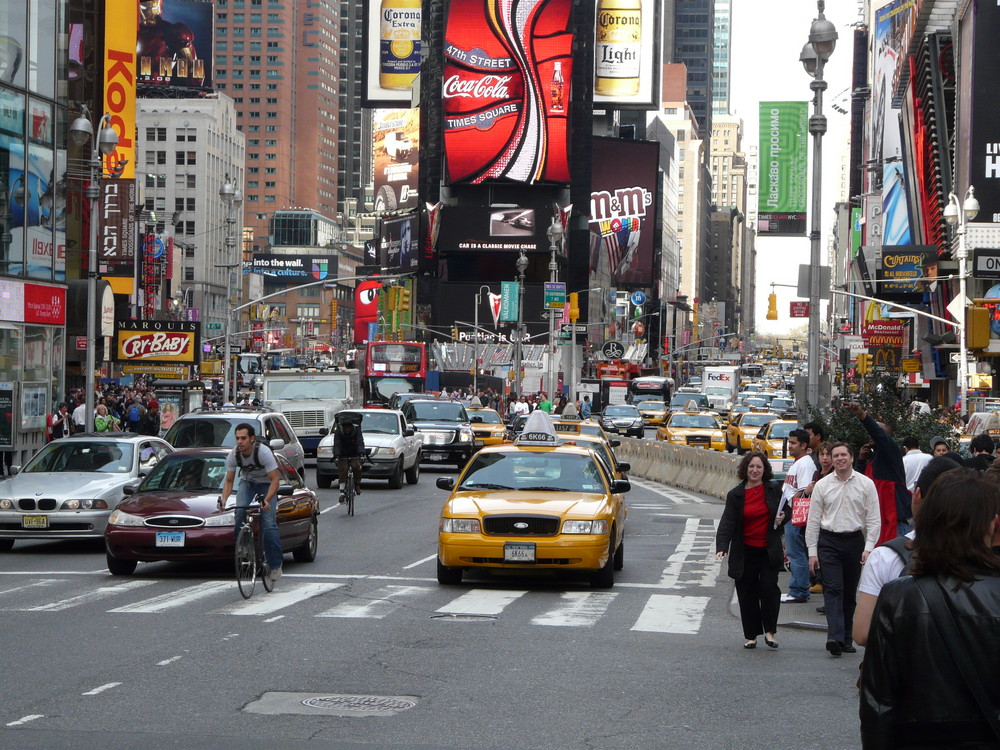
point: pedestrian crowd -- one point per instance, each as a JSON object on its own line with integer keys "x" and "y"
{"x": 905, "y": 548}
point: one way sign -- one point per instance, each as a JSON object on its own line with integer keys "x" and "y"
{"x": 571, "y": 328}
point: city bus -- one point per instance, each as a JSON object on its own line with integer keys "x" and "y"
{"x": 393, "y": 367}
{"x": 650, "y": 388}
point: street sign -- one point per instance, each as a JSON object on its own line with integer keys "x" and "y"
{"x": 798, "y": 309}
{"x": 985, "y": 263}
{"x": 235, "y": 349}
{"x": 613, "y": 350}
{"x": 546, "y": 314}
{"x": 638, "y": 298}
{"x": 955, "y": 358}
{"x": 911, "y": 364}
{"x": 570, "y": 328}
{"x": 638, "y": 329}
{"x": 555, "y": 295}
{"x": 214, "y": 326}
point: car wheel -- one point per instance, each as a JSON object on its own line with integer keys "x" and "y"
{"x": 307, "y": 552}
{"x": 620, "y": 555}
{"x": 6, "y": 545}
{"x": 396, "y": 478}
{"x": 605, "y": 577}
{"x": 448, "y": 576}
{"x": 413, "y": 473}
{"x": 120, "y": 567}
{"x": 323, "y": 481}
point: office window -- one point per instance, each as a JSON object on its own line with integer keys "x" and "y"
{"x": 187, "y": 134}
{"x": 307, "y": 311}
{"x": 186, "y": 157}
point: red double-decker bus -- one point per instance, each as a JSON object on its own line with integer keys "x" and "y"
{"x": 393, "y": 367}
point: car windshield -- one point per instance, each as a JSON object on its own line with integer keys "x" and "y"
{"x": 312, "y": 388}
{"x": 82, "y": 455}
{"x": 488, "y": 416}
{"x": 187, "y": 474}
{"x": 717, "y": 390}
{"x": 205, "y": 433}
{"x": 698, "y": 421}
{"x": 382, "y": 422}
{"x": 651, "y": 405}
{"x": 781, "y": 403}
{"x": 621, "y": 411}
{"x": 532, "y": 470}
{"x": 680, "y": 400}
{"x": 756, "y": 420}
{"x": 444, "y": 411}
{"x": 782, "y": 430}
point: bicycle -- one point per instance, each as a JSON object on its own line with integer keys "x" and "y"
{"x": 249, "y": 555}
{"x": 350, "y": 489}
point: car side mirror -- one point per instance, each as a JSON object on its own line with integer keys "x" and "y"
{"x": 16, "y": 469}
{"x": 276, "y": 445}
{"x": 624, "y": 467}
{"x": 323, "y": 431}
{"x": 620, "y": 486}
{"x": 446, "y": 483}
{"x": 614, "y": 443}
{"x": 285, "y": 490}
{"x": 129, "y": 489}
{"x": 409, "y": 432}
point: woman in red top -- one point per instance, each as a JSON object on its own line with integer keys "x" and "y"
{"x": 748, "y": 535}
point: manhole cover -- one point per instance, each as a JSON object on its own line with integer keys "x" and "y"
{"x": 331, "y": 704}
{"x": 459, "y": 617}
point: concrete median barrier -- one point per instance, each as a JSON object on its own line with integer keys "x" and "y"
{"x": 709, "y": 472}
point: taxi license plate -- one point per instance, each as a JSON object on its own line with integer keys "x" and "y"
{"x": 169, "y": 538}
{"x": 479, "y": 442}
{"x": 518, "y": 552}
{"x": 34, "y": 522}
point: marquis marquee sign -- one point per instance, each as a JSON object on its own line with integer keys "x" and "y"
{"x": 175, "y": 342}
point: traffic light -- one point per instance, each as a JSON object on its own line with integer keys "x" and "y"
{"x": 864, "y": 362}
{"x": 574, "y": 306}
{"x": 977, "y": 327}
{"x": 402, "y": 298}
{"x": 772, "y": 306}
{"x": 393, "y": 300}
{"x": 454, "y": 333}
{"x": 333, "y": 313}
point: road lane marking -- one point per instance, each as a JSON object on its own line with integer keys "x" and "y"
{"x": 578, "y": 609}
{"x": 171, "y": 660}
{"x": 275, "y": 618}
{"x": 481, "y": 602}
{"x": 692, "y": 563}
{"x": 24, "y": 720}
{"x": 377, "y": 604}
{"x": 33, "y": 584}
{"x": 102, "y": 688}
{"x": 271, "y": 603}
{"x": 670, "y": 493}
{"x": 174, "y": 599}
{"x": 91, "y": 596}
{"x": 668, "y": 613}
{"x": 421, "y": 562}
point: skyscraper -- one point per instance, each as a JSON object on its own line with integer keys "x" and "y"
{"x": 694, "y": 29}
{"x": 720, "y": 57}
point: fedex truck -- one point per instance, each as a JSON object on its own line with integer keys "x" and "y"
{"x": 721, "y": 384}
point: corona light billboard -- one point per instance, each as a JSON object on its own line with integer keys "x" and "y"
{"x": 506, "y": 91}
{"x": 627, "y": 54}
{"x": 175, "y": 342}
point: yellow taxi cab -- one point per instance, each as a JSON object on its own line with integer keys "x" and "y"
{"x": 772, "y": 438}
{"x": 653, "y": 412}
{"x": 743, "y": 428}
{"x": 605, "y": 453}
{"x": 487, "y": 426}
{"x": 533, "y": 505}
{"x": 698, "y": 429}
{"x": 563, "y": 424}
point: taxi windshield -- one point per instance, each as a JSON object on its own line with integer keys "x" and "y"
{"x": 697, "y": 421}
{"x": 781, "y": 430}
{"x": 757, "y": 420}
{"x": 487, "y": 416}
{"x": 549, "y": 471}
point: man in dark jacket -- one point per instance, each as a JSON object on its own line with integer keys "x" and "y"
{"x": 982, "y": 452}
{"x": 150, "y": 422}
{"x": 881, "y": 461}
{"x": 349, "y": 449}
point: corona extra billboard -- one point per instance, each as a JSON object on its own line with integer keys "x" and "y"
{"x": 175, "y": 342}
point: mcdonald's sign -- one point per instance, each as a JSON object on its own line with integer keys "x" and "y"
{"x": 887, "y": 359}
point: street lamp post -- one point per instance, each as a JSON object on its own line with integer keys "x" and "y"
{"x": 475, "y": 341}
{"x": 82, "y": 131}
{"x": 554, "y": 233}
{"x": 521, "y": 265}
{"x": 232, "y": 197}
{"x": 959, "y": 219}
{"x": 815, "y": 54}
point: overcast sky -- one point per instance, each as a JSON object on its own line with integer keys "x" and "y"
{"x": 767, "y": 38}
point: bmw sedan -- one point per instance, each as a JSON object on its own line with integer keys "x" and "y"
{"x": 68, "y": 489}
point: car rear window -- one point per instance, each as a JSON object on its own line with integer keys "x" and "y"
{"x": 187, "y": 473}
{"x": 205, "y": 433}
{"x": 444, "y": 411}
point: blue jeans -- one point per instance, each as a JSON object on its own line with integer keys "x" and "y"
{"x": 268, "y": 519}
{"x": 798, "y": 560}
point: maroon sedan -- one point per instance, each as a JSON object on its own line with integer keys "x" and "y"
{"x": 173, "y": 514}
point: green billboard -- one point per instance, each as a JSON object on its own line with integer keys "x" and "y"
{"x": 783, "y": 195}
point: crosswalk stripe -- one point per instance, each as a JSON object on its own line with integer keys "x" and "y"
{"x": 667, "y": 613}
{"x": 670, "y": 493}
{"x": 175, "y": 599}
{"x": 691, "y": 563}
{"x": 91, "y": 596}
{"x": 268, "y": 603}
{"x": 377, "y": 604}
{"x": 578, "y": 609}
{"x": 481, "y": 602}
{"x": 34, "y": 584}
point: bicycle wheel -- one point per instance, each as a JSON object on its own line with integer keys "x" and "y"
{"x": 349, "y": 492}
{"x": 246, "y": 562}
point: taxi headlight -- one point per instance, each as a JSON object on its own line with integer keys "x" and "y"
{"x": 222, "y": 519}
{"x": 585, "y": 527}
{"x": 86, "y": 504}
{"x": 325, "y": 451}
{"x": 460, "y": 526}
{"x": 6, "y": 504}
{"x": 121, "y": 518}
{"x": 677, "y": 438}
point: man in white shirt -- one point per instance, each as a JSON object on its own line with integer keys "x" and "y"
{"x": 914, "y": 461}
{"x": 80, "y": 416}
{"x": 843, "y": 529}
{"x": 800, "y": 475}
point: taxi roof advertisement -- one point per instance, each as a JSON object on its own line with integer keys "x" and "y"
{"x": 175, "y": 342}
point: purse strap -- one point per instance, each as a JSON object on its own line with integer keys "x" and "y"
{"x": 944, "y": 618}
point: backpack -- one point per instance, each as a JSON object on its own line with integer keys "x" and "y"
{"x": 898, "y": 545}
{"x": 256, "y": 460}
{"x": 133, "y": 414}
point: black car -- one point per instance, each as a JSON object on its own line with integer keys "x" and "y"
{"x": 446, "y": 429}
{"x": 624, "y": 419}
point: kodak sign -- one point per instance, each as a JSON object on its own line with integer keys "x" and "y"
{"x": 119, "y": 81}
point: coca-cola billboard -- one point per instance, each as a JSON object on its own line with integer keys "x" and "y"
{"x": 168, "y": 341}
{"x": 506, "y": 91}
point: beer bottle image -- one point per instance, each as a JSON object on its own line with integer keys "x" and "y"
{"x": 399, "y": 45}
{"x": 618, "y": 42}
{"x": 558, "y": 89}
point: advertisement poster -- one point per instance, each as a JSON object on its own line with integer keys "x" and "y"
{"x": 507, "y": 230}
{"x": 175, "y": 342}
{"x": 34, "y": 406}
{"x": 626, "y": 54}
{"x": 395, "y": 143}
{"x": 174, "y": 44}
{"x": 984, "y": 148}
{"x": 7, "y": 391}
{"x": 392, "y": 30}
{"x": 506, "y": 91}
{"x": 399, "y": 244}
{"x": 292, "y": 266}
{"x": 117, "y": 238}
{"x": 903, "y": 271}
{"x": 119, "y": 83}
{"x": 366, "y": 296}
{"x": 783, "y": 201}
{"x": 624, "y": 179}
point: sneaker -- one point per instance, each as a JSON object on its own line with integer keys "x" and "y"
{"x": 342, "y": 498}
{"x": 816, "y": 588}
{"x": 275, "y": 574}
{"x": 789, "y": 599}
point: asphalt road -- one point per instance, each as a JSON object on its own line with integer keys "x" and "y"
{"x": 363, "y": 649}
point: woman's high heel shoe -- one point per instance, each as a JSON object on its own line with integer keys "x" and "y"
{"x": 770, "y": 643}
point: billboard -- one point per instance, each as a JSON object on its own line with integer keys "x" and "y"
{"x": 399, "y": 244}
{"x": 903, "y": 272}
{"x": 116, "y": 232}
{"x": 174, "y": 44}
{"x": 395, "y": 146}
{"x": 492, "y": 230}
{"x": 391, "y": 59}
{"x": 783, "y": 200}
{"x": 119, "y": 83}
{"x": 624, "y": 180}
{"x": 626, "y": 54}
{"x": 984, "y": 145}
{"x": 175, "y": 342}
{"x": 317, "y": 267}
{"x": 506, "y": 91}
